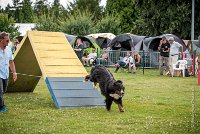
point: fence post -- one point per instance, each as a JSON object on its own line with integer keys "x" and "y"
{"x": 194, "y": 62}
{"x": 97, "y": 53}
{"x": 143, "y": 56}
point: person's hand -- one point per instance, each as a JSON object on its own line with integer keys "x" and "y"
{"x": 14, "y": 76}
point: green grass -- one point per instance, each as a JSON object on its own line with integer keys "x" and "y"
{"x": 153, "y": 104}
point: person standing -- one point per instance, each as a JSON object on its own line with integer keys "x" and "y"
{"x": 164, "y": 48}
{"x": 6, "y": 60}
{"x": 79, "y": 48}
{"x": 175, "y": 48}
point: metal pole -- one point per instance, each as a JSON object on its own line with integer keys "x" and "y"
{"x": 192, "y": 25}
{"x": 143, "y": 56}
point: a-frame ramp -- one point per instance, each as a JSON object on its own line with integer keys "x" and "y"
{"x": 50, "y": 55}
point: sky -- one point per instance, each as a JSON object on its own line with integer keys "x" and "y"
{"x": 3, "y": 3}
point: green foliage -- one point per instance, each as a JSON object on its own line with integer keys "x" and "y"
{"x": 7, "y": 25}
{"x": 56, "y": 8}
{"x": 47, "y": 23}
{"x": 27, "y": 12}
{"x": 108, "y": 24}
{"x": 91, "y": 6}
{"x": 17, "y": 13}
{"x": 41, "y": 7}
{"x": 157, "y": 17}
{"x": 125, "y": 9}
{"x": 80, "y": 23}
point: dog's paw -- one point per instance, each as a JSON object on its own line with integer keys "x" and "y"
{"x": 122, "y": 110}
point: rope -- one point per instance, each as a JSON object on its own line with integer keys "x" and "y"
{"x": 29, "y": 75}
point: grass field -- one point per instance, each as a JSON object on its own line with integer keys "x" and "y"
{"x": 153, "y": 104}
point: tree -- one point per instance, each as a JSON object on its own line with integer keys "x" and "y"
{"x": 17, "y": 5}
{"x": 41, "y": 7}
{"x": 157, "y": 17}
{"x": 108, "y": 24}
{"x": 56, "y": 8}
{"x": 27, "y": 12}
{"x": 7, "y": 25}
{"x": 91, "y": 6}
{"x": 47, "y": 23}
{"x": 80, "y": 23}
{"x": 126, "y": 11}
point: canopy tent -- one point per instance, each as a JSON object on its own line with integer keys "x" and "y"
{"x": 88, "y": 42}
{"x": 126, "y": 42}
{"x": 153, "y": 42}
{"x": 102, "y": 39}
{"x": 192, "y": 45}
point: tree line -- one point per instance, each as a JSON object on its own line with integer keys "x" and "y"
{"x": 82, "y": 17}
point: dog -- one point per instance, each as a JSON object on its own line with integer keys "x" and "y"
{"x": 112, "y": 89}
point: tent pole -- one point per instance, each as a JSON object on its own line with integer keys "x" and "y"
{"x": 192, "y": 25}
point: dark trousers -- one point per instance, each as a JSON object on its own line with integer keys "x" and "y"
{"x": 121, "y": 64}
{"x": 3, "y": 87}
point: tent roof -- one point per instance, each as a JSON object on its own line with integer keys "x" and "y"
{"x": 24, "y": 27}
{"x": 176, "y": 38}
{"x": 126, "y": 41}
{"x": 88, "y": 41}
{"x": 103, "y": 35}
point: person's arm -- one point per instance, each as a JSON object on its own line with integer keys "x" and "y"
{"x": 160, "y": 45}
{"x": 139, "y": 58}
{"x": 181, "y": 47}
{"x": 12, "y": 68}
{"x": 167, "y": 50}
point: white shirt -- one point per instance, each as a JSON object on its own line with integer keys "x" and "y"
{"x": 128, "y": 59}
{"x": 92, "y": 55}
{"x": 5, "y": 58}
{"x": 174, "y": 48}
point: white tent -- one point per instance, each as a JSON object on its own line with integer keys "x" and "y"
{"x": 24, "y": 27}
{"x": 104, "y": 35}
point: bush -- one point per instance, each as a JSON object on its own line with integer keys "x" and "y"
{"x": 80, "y": 23}
{"x": 108, "y": 24}
{"x": 7, "y": 25}
{"x": 47, "y": 23}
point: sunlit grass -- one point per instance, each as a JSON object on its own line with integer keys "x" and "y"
{"x": 153, "y": 104}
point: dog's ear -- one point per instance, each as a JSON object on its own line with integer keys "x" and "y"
{"x": 118, "y": 81}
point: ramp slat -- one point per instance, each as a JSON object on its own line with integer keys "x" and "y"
{"x": 70, "y": 85}
{"x": 80, "y": 102}
{"x": 68, "y": 79}
{"x": 76, "y": 93}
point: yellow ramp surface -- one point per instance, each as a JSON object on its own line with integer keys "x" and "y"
{"x": 46, "y": 54}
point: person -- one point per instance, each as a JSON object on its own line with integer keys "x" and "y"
{"x": 85, "y": 55}
{"x": 79, "y": 48}
{"x": 15, "y": 45}
{"x": 103, "y": 57}
{"x": 6, "y": 60}
{"x": 91, "y": 57}
{"x": 164, "y": 48}
{"x": 175, "y": 48}
{"x": 125, "y": 62}
{"x": 136, "y": 61}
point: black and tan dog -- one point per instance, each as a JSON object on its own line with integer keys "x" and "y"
{"x": 113, "y": 90}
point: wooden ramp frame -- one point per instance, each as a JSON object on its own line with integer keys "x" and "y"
{"x": 49, "y": 54}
